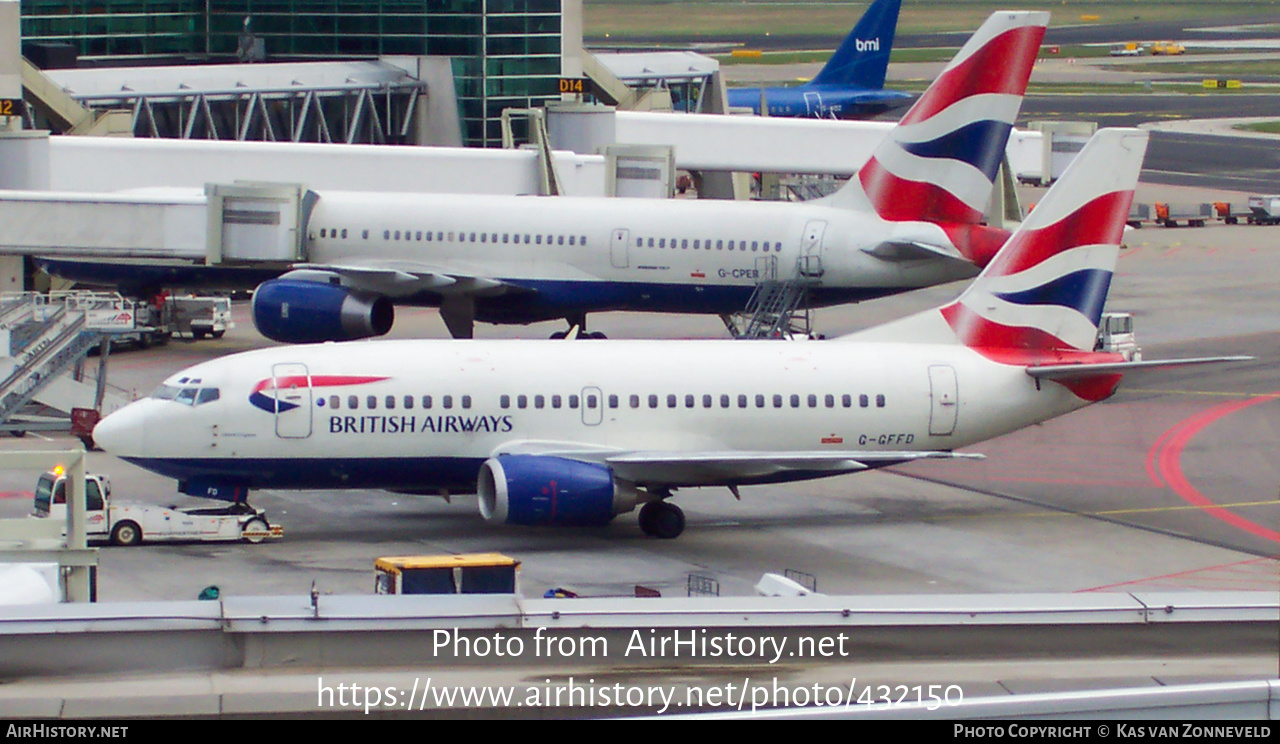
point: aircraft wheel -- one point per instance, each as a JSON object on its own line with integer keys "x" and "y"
{"x": 596, "y": 336}
{"x": 217, "y": 334}
{"x": 558, "y": 335}
{"x": 126, "y": 533}
{"x": 255, "y": 525}
{"x": 662, "y": 520}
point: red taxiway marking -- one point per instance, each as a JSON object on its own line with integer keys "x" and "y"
{"x": 1164, "y": 463}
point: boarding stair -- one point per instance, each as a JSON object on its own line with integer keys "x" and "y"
{"x": 778, "y": 308}
{"x": 43, "y": 344}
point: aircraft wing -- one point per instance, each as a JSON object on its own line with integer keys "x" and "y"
{"x": 671, "y": 469}
{"x": 397, "y": 278}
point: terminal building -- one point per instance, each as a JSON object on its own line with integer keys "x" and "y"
{"x": 503, "y": 53}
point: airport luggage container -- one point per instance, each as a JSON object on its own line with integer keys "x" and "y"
{"x": 1195, "y": 215}
{"x": 1264, "y": 209}
{"x": 468, "y": 573}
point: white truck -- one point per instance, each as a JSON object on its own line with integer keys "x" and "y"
{"x": 201, "y": 316}
{"x": 1115, "y": 335}
{"x": 129, "y": 524}
{"x": 1264, "y": 209}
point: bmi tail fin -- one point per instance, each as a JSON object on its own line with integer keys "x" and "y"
{"x": 863, "y": 57}
{"x": 939, "y": 164}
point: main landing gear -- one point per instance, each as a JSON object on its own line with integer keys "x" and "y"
{"x": 578, "y": 329}
{"x": 661, "y": 519}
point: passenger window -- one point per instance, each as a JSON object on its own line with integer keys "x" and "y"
{"x": 684, "y": 244}
{"x": 591, "y": 401}
{"x": 613, "y": 401}
{"x": 830, "y": 400}
{"x": 446, "y": 401}
{"x": 724, "y": 401}
{"x": 484, "y": 237}
{"x": 418, "y": 235}
{"x": 813, "y": 400}
{"x": 573, "y": 401}
{"x": 560, "y": 241}
{"x": 391, "y": 402}
{"x": 466, "y": 401}
{"x": 344, "y": 233}
{"x": 408, "y": 401}
{"x": 555, "y": 401}
{"x": 635, "y": 401}
{"x": 671, "y": 401}
{"x": 364, "y": 234}
{"x": 662, "y": 242}
{"x": 353, "y": 402}
{"x": 639, "y": 242}
{"x": 582, "y": 240}
{"x": 688, "y": 401}
{"x": 650, "y": 242}
{"x": 506, "y": 237}
{"x": 719, "y": 245}
{"x": 863, "y": 401}
{"x": 777, "y": 401}
{"x": 504, "y": 401}
{"x": 539, "y": 240}
{"x": 795, "y": 401}
{"x": 759, "y": 401}
{"x": 653, "y": 401}
{"x": 522, "y": 401}
{"x": 322, "y": 232}
{"x": 539, "y": 401}
{"x": 334, "y": 402}
{"x": 846, "y": 400}
{"x": 571, "y": 237}
{"x": 426, "y": 401}
{"x": 386, "y": 235}
{"x": 372, "y": 402}
{"x": 879, "y": 401}
{"x": 742, "y": 401}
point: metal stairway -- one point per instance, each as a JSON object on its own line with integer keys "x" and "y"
{"x": 779, "y": 308}
{"x": 40, "y": 342}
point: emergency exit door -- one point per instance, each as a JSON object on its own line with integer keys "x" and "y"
{"x": 291, "y": 383}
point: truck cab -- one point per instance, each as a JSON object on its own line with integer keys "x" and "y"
{"x": 1116, "y": 336}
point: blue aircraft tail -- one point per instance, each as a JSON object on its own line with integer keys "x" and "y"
{"x": 863, "y": 58}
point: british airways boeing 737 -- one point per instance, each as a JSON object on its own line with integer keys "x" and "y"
{"x": 549, "y": 432}
{"x": 913, "y": 217}
{"x": 849, "y": 86}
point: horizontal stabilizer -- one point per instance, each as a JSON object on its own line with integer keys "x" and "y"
{"x": 1069, "y": 371}
{"x": 912, "y": 250}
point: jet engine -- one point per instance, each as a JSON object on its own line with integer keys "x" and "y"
{"x": 299, "y": 312}
{"x": 545, "y": 490}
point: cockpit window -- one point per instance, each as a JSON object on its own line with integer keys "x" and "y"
{"x": 189, "y": 394}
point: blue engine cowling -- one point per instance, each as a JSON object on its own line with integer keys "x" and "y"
{"x": 301, "y": 312}
{"x": 544, "y": 490}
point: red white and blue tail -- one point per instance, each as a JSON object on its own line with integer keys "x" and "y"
{"x": 939, "y": 164}
{"x": 1044, "y": 291}
{"x": 1040, "y": 299}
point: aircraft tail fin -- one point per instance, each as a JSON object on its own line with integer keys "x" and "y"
{"x": 863, "y": 57}
{"x": 1040, "y": 300}
{"x": 939, "y": 164}
{"x": 1044, "y": 291}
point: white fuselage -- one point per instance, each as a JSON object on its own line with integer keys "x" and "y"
{"x": 661, "y": 254}
{"x": 424, "y": 415}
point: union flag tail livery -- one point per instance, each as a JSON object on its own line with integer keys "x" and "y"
{"x": 1043, "y": 293}
{"x": 940, "y": 163}
{"x": 1041, "y": 296}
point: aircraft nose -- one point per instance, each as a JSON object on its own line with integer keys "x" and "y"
{"x": 120, "y": 432}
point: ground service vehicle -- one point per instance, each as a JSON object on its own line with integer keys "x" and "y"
{"x": 129, "y": 524}
{"x": 1115, "y": 336}
{"x": 468, "y": 573}
{"x": 1264, "y": 209}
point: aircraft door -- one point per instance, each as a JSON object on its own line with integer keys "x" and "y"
{"x": 811, "y": 248}
{"x": 813, "y": 103}
{"x": 592, "y": 406}
{"x": 291, "y": 384}
{"x": 946, "y": 399}
{"x": 618, "y": 246}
